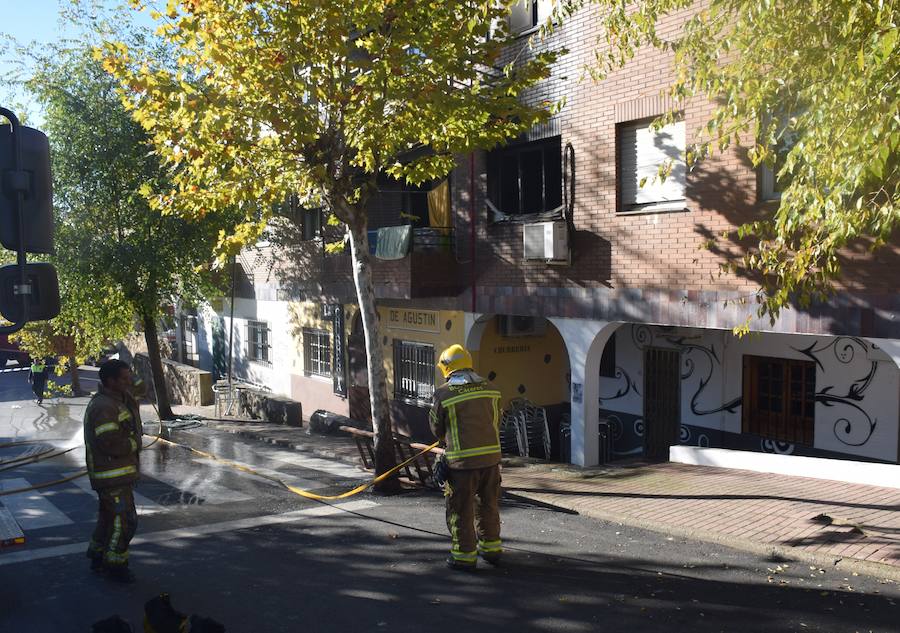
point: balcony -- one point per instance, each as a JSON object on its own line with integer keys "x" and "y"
{"x": 429, "y": 267}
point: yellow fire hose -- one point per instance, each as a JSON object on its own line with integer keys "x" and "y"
{"x": 297, "y": 491}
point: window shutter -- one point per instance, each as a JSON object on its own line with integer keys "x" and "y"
{"x": 520, "y": 16}
{"x": 641, "y": 152}
{"x": 544, "y": 10}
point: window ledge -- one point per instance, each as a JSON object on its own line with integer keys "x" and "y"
{"x": 264, "y": 363}
{"x": 319, "y": 377}
{"x": 675, "y": 207}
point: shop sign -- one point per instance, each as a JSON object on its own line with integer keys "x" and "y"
{"x": 416, "y": 320}
{"x": 512, "y": 349}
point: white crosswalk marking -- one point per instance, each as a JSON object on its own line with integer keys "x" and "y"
{"x": 144, "y": 505}
{"x": 32, "y": 509}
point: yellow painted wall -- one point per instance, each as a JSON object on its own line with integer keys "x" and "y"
{"x": 532, "y": 367}
{"x": 449, "y": 326}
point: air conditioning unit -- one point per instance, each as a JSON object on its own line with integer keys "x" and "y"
{"x": 547, "y": 241}
{"x": 511, "y": 325}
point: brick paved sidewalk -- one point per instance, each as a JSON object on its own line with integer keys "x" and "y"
{"x": 733, "y": 507}
{"x": 829, "y": 518}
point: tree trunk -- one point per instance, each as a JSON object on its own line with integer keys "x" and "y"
{"x": 163, "y": 407}
{"x": 385, "y": 455}
{"x": 76, "y": 379}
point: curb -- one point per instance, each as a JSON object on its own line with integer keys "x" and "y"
{"x": 769, "y": 550}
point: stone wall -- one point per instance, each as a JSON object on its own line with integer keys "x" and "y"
{"x": 185, "y": 384}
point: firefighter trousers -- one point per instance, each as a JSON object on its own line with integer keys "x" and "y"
{"x": 473, "y": 513}
{"x": 116, "y": 525}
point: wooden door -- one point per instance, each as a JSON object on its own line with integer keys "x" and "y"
{"x": 662, "y": 401}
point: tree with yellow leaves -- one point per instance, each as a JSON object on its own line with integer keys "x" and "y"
{"x": 276, "y": 97}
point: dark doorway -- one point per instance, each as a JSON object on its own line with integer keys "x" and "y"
{"x": 358, "y": 366}
{"x": 662, "y": 403}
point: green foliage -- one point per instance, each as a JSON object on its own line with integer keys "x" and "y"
{"x": 271, "y": 98}
{"x": 116, "y": 256}
{"x": 821, "y": 77}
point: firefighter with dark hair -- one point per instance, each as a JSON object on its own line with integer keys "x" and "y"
{"x": 465, "y": 416}
{"x": 112, "y": 440}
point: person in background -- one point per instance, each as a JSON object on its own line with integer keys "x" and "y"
{"x": 38, "y": 379}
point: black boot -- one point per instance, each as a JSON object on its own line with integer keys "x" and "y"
{"x": 119, "y": 573}
{"x": 96, "y": 559}
{"x": 452, "y": 563}
{"x": 491, "y": 558}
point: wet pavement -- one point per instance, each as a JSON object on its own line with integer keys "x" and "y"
{"x": 236, "y": 547}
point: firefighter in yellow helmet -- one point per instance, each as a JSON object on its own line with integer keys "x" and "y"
{"x": 465, "y": 416}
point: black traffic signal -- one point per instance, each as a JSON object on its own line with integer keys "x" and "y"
{"x": 33, "y": 179}
{"x": 42, "y": 296}
{"x": 28, "y": 291}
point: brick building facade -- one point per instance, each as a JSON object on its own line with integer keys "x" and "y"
{"x": 625, "y": 338}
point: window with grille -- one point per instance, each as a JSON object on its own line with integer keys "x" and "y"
{"x": 189, "y": 328}
{"x": 316, "y": 352}
{"x": 413, "y": 371}
{"x": 258, "y": 347}
{"x": 779, "y": 398}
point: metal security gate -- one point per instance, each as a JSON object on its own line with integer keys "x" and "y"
{"x": 662, "y": 404}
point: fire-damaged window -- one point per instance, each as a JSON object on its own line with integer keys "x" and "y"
{"x": 258, "y": 347}
{"x": 526, "y": 178}
{"x": 413, "y": 371}
{"x": 316, "y": 352}
{"x": 779, "y": 398}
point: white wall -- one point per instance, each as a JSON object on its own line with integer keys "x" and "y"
{"x": 276, "y": 376}
{"x": 857, "y": 384}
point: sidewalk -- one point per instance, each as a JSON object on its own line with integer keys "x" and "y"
{"x": 819, "y": 521}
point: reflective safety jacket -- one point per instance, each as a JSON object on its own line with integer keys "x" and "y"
{"x": 112, "y": 439}
{"x": 466, "y": 415}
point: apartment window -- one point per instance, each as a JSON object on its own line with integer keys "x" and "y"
{"x": 258, "y": 341}
{"x": 528, "y": 14}
{"x": 608, "y": 359}
{"x": 779, "y": 398}
{"x": 413, "y": 371}
{"x": 526, "y": 178}
{"x": 641, "y": 153}
{"x": 312, "y": 223}
{"x": 770, "y": 186}
{"x": 189, "y": 353}
{"x": 316, "y": 352}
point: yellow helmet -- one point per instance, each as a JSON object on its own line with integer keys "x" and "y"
{"x": 454, "y": 358}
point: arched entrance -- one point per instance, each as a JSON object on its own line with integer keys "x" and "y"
{"x": 525, "y": 358}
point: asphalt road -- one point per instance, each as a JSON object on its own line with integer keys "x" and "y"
{"x": 238, "y": 548}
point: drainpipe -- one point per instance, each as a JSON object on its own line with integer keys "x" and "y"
{"x": 472, "y": 224}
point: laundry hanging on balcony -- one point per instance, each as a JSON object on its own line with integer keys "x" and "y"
{"x": 439, "y": 206}
{"x": 393, "y": 242}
